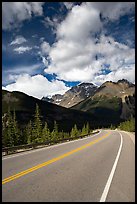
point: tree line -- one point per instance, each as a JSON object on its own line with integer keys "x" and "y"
{"x": 35, "y": 131}
{"x": 128, "y": 125}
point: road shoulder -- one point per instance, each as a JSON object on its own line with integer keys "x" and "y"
{"x": 132, "y": 136}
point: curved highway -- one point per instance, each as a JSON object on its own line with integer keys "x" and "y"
{"x": 99, "y": 168}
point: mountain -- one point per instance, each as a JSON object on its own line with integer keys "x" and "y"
{"x": 108, "y": 104}
{"x": 25, "y": 105}
{"x": 56, "y": 99}
{"x": 73, "y": 96}
{"x": 121, "y": 88}
{"x": 111, "y": 102}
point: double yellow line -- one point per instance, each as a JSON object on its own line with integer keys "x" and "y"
{"x": 22, "y": 173}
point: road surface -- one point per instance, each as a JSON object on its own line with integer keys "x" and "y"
{"x": 99, "y": 168}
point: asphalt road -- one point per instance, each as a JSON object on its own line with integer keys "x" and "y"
{"x": 100, "y": 168}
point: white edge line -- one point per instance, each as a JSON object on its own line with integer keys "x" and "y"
{"x": 131, "y": 136}
{"x": 40, "y": 149}
{"x": 106, "y": 189}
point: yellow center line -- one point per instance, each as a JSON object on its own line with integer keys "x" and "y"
{"x": 22, "y": 173}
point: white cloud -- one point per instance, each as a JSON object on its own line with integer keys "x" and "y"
{"x": 68, "y": 5}
{"x": 36, "y": 8}
{"x": 113, "y": 10}
{"x": 18, "y": 40}
{"x": 41, "y": 39}
{"x": 73, "y": 55}
{"x": 22, "y": 49}
{"x": 30, "y": 69}
{"x": 45, "y": 61}
{"x": 3, "y": 88}
{"x": 11, "y": 73}
{"x": 80, "y": 21}
{"x": 37, "y": 86}
{"x": 126, "y": 73}
{"x": 52, "y": 22}
{"x": 14, "y": 13}
{"x": 44, "y": 51}
{"x": 45, "y": 48}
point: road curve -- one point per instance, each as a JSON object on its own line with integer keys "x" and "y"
{"x": 98, "y": 167}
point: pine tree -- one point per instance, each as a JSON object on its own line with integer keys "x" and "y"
{"x": 111, "y": 127}
{"x": 66, "y": 134}
{"x": 16, "y": 134}
{"x": 87, "y": 128}
{"x": 37, "y": 127}
{"x": 74, "y": 131}
{"x": 61, "y": 135}
{"x": 8, "y": 138}
{"x": 83, "y": 130}
{"x": 3, "y": 131}
{"x": 54, "y": 134}
{"x": 45, "y": 133}
{"x": 128, "y": 125}
{"x": 79, "y": 132}
{"x": 29, "y": 132}
{"x": 23, "y": 139}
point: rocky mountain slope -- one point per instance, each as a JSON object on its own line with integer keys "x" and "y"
{"x": 112, "y": 101}
{"x": 108, "y": 104}
{"x": 73, "y": 96}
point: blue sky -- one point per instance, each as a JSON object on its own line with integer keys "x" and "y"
{"x": 49, "y": 47}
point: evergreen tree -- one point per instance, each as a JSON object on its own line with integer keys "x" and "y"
{"x": 128, "y": 125}
{"x": 16, "y": 133}
{"x": 83, "y": 130}
{"x": 3, "y": 131}
{"x": 8, "y": 137}
{"x": 111, "y": 127}
{"x": 23, "y": 136}
{"x": 45, "y": 133}
{"x": 29, "y": 132}
{"x": 37, "y": 127}
{"x": 74, "y": 131}
{"x": 87, "y": 128}
{"x": 79, "y": 132}
{"x": 60, "y": 135}
{"x": 11, "y": 133}
{"x": 66, "y": 135}
{"x": 54, "y": 134}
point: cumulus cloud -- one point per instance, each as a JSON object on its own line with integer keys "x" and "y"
{"x": 22, "y": 49}
{"x": 78, "y": 54}
{"x": 37, "y": 86}
{"x": 126, "y": 72}
{"x": 50, "y": 22}
{"x": 18, "y": 40}
{"x": 14, "y": 13}
{"x": 73, "y": 57}
{"x": 68, "y": 5}
{"x": 3, "y": 88}
{"x": 30, "y": 69}
{"x": 45, "y": 61}
{"x": 45, "y": 48}
{"x": 113, "y": 10}
{"x": 44, "y": 52}
{"x": 11, "y": 73}
{"x": 81, "y": 20}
